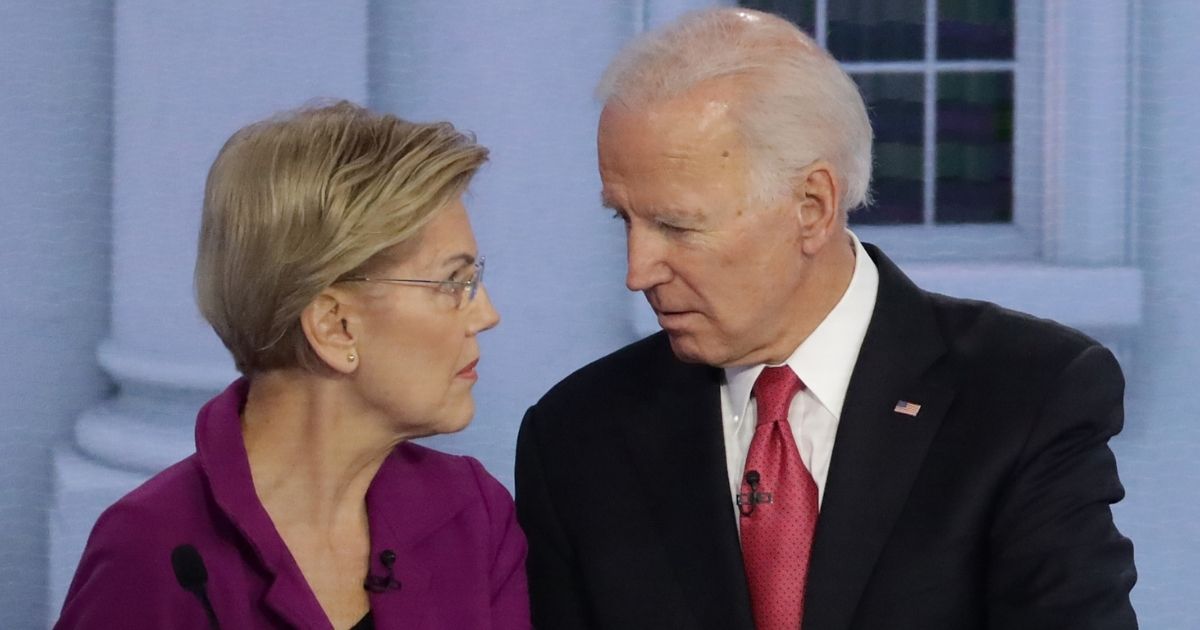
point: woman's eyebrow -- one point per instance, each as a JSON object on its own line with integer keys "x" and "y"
{"x": 461, "y": 259}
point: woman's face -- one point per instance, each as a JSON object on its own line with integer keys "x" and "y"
{"x": 417, "y": 347}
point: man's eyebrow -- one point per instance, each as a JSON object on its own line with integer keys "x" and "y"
{"x": 670, "y": 214}
{"x": 680, "y": 215}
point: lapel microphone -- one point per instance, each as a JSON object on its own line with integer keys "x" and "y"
{"x": 193, "y": 578}
{"x": 747, "y": 500}
{"x": 387, "y": 581}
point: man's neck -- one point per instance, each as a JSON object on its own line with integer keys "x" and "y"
{"x": 828, "y": 281}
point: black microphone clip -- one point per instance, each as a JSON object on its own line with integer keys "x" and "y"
{"x": 746, "y": 501}
{"x": 387, "y": 581}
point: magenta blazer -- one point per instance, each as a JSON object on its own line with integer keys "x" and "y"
{"x": 459, "y": 553}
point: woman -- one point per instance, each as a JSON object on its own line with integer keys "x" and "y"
{"x": 337, "y": 264}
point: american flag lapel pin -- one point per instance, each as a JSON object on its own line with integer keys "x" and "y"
{"x": 907, "y": 408}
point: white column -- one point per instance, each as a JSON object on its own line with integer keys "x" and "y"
{"x": 55, "y": 108}
{"x": 187, "y": 75}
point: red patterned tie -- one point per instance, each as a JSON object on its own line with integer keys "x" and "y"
{"x": 779, "y": 508}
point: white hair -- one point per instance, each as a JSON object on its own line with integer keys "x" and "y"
{"x": 798, "y": 106}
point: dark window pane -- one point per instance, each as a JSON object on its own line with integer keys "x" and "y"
{"x": 895, "y": 103}
{"x": 974, "y": 147}
{"x": 975, "y": 29}
{"x": 877, "y": 30}
{"x": 802, "y": 13}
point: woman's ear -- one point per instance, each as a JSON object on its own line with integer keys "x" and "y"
{"x": 329, "y": 324}
{"x": 817, "y": 196}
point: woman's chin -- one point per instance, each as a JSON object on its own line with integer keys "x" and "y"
{"x": 457, "y": 420}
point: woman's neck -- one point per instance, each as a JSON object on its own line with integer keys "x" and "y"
{"x": 312, "y": 455}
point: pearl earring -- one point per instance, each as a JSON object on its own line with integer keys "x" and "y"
{"x": 351, "y": 357}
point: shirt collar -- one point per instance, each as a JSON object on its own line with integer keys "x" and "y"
{"x": 825, "y": 360}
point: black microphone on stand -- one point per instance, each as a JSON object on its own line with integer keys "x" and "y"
{"x": 193, "y": 577}
{"x": 387, "y": 581}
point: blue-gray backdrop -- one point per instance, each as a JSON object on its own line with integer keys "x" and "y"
{"x": 111, "y": 111}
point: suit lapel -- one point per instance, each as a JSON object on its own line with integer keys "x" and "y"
{"x": 878, "y": 451}
{"x": 677, "y": 445}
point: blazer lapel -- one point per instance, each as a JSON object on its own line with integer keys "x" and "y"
{"x": 405, "y": 509}
{"x": 222, "y": 456}
{"x": 677, "y": 445}
{"x": 878, "y": 450}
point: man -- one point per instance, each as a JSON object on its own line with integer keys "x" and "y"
{"x": 811, "y": 440}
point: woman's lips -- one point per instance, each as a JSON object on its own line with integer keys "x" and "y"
{"x": 469, "y": 371}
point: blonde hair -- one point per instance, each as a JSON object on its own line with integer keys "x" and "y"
{"x": 798, "y": 105}
{"x": 295, "y": 202}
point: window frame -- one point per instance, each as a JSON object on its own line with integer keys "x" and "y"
{"x": 1014, "y": 240}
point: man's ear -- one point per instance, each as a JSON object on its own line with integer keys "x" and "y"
{"x": 821, "y": 217}
{"x": 329, "y": 324}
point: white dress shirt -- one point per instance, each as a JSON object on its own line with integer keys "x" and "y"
{"x": 824, "y": 362}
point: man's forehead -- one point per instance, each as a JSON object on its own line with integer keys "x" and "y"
{"x": 703, "y": 105}
{"x": 676, "y": 131}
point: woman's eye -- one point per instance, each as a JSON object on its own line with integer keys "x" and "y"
{"x": 450, "y": 287}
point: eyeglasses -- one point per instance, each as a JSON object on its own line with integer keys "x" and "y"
{"x": 463, "y": 290}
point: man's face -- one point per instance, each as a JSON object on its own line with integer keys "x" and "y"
{"x": 722, "y": 273}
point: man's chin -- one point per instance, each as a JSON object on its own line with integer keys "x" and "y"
{"x": 687, "y": 350}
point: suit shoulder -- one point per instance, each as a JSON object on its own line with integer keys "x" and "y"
{"x": 991, "y": 336}
{"x": 164, "y": 502}
{"x": 451, "y": 485}
{"x": 132, "y": 538}
{"x": 434, "y": 463}
{"x": 632, "y": 365}
{"x": 462, "y": 475}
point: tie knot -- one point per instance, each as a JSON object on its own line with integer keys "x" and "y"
{"x": 773, "y": 392}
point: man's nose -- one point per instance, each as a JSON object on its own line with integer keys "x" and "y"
{"x": 646, "y": 260}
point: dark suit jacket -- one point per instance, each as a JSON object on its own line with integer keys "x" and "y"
{"x": 989, "y": 509}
